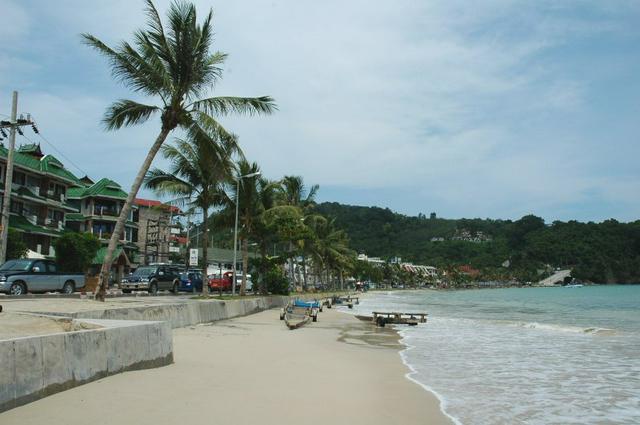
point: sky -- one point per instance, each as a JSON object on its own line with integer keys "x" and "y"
{"x": 468, "y": 109}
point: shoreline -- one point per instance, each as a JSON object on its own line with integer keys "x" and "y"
{"x": 253, "y": 370}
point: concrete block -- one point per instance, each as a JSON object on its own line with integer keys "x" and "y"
{"x": 7, "y": 374}
{"x": 86, "y": 354}
{"x": 29, "y": 367}
{"x": 55, "y": 368}
{"x": 126, "y": 346}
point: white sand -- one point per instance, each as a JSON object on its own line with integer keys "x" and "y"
{"x": 253, "y": 370}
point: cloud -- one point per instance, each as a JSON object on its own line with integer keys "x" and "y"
{"x": 481, "y": 110}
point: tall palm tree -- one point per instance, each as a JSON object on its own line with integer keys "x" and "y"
{"x": 175, "y": 67}
{"x": 330, "y": 247}
{"x": 249, "y": 210}
{"x": 201, "y": 166}
{"x": 294, "y": 193}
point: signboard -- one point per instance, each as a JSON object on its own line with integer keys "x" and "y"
{"x": 193, "y": 257}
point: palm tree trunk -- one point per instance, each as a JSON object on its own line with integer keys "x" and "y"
{"x": 304, "y": 273}
{"x": 205, "y": 248}
{"x": 291, "y": 273}
{"x": 245, "y": 266}
{"x": 103, "y": 280}
{"x": 263, "y": 268}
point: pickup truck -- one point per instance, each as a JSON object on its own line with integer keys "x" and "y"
{"x": 17, "y": 277}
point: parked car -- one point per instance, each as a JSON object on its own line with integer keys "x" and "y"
{"x": 153, "y": 278}
{"x": 17, "y": 277}
{"x": 218, "y": 283}
{"x": 190, "y": 281}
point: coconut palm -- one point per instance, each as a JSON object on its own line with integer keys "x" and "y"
{"x": 201, "y": 166}
{"x": 293, "y": 192}
{"x": 175, "y": 66}
{"x": 330, "y": 248}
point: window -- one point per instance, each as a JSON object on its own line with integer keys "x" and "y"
{"x": 19, "y": 178}
{"x": 2, "y": 173}
{"x": 39, "y": 267}
{"x": 52, "y": 268}
{"x": 16, "y": 207}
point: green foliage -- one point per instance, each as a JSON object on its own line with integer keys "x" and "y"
{"x": 75, "y": 251}
{"x": 604, "y": 252}
{"x": 275, "y": 282}
{"x": 16, "y": 248}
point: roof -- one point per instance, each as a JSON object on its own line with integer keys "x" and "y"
{"x": 152, "y": 203}
{"x": 48, "y": 164}
{"x": 102, "y": 252}
{"x": 103, "y": 187}
{"x": 31, "y": 148}
{"x": 23, "y": 225}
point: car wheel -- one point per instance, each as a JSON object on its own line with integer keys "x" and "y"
{"x": 68, "y": 288}
{"x": 153, "y": 288}
{"x": 17, "y": 289}
{"x": 126, "y": 291}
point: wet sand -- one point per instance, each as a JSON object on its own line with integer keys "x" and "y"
{"x": 252, "y": 370}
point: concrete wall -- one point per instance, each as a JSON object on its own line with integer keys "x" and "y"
{"x": 186, "y": 313}
{"x": 130, "y": 338}
{"x": 35, "y": 367}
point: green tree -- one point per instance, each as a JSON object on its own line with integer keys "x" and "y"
{"x": 16, "y": 248}
{"x": 175, "y": 67}
{"x": 75, "y": 251}
{"x": 201, "y": 166}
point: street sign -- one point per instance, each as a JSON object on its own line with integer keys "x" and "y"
{"x": 193, "y": 257}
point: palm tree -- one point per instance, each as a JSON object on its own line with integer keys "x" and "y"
{"x": 249, "y": 210}
{"x": 201, "y": 166}
{"x": 330, "y": 248}
{"x": 294, "y": 193}
{"x": 176, "y": 68}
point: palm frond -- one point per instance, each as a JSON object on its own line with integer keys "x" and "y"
{"x": 225, "y": 105}
{"x": 123, "y": 113}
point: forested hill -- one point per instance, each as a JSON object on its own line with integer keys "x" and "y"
{"x": 598, "y": 252}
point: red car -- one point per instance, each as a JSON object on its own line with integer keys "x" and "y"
{"x": 217, "y": 283}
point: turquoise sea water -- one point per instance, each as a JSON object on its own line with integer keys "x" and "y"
{"x": 534, "y": 355}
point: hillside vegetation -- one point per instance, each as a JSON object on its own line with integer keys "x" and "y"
{"x": 607, "y": 252}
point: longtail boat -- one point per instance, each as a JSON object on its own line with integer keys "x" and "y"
{"x": 298, "y": 313}
{"x": 381, "y": 319}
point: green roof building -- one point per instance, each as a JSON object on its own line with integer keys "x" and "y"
{"x": 38, "y": 196}
{"x": 98, "y": 205}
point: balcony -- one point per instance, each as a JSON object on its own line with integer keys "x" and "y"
{"x": 105, "y": 211}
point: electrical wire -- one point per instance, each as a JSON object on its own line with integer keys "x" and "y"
{"x": 58, "y": 151}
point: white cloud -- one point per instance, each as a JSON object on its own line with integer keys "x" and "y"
{"x": 465, "y": 102}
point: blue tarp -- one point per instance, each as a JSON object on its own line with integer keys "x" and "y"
{"x": 312, "y": 304}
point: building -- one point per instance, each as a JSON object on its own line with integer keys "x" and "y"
{"x": 160, "y": 236}
{"x": 373, "y": 260}
{"x": 97, "y": 207}
{"x": 38, "y": 196}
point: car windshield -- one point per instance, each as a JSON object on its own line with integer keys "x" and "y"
{"x": 144, "y": 271}
{"x": 16, "y": 265}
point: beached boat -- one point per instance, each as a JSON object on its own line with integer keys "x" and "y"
{"x": 381, "y": 319}
{"x": 574, "y": 285}
{"x": 298, "y": 313}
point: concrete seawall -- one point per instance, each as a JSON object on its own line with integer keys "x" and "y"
{"x": 38, "y": 366}
{"x": 128, "y": 338}
{"x": 188, "y": 312}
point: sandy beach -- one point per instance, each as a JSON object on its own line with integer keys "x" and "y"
{"x": 253, "y": 370}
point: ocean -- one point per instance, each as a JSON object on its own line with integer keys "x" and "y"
{"x": 525, "y": 355}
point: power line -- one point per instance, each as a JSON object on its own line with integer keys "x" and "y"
{"x": 59, "y": 152}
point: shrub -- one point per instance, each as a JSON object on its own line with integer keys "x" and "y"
{"x": 75, "y": 251}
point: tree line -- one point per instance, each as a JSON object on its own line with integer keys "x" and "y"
{"x": 524, "y": 249}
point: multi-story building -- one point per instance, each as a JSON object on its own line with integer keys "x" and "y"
{"x": 159, "y": 232}
{"x": 38, "y": 194}
{"x": 98, "y": 205}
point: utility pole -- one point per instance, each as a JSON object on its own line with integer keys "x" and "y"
{"x": 13, "y": 126}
